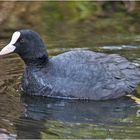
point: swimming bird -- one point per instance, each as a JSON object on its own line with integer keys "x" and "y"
{"x": 79, "y": 74}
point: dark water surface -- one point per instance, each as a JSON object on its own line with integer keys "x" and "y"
{"x": 35, "y": 117}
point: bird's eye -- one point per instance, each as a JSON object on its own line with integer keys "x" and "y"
{"x": 21, "y": 40}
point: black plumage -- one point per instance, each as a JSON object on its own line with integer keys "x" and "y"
{"x": 75, "y": 74}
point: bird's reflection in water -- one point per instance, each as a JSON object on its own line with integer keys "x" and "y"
{"x": 39, "y": 111}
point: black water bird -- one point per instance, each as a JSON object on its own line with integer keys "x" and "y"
{"x": 77, "y": 74}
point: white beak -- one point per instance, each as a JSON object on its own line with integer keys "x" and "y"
{"x": 7, "y": 49}
{"x": 10, "y": 47}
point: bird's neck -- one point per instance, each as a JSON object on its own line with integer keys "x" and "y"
{"x": 37, "y": 62}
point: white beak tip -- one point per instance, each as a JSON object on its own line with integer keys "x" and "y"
{"x": 1, "y": 54}
{"x": 7, "y": 49}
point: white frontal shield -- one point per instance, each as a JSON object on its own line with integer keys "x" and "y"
{"x": 10, "y": 47}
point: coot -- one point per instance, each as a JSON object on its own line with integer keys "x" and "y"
{"x": 74, "y": 74}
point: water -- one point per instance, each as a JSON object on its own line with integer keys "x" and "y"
{"x": 36, "y": 117}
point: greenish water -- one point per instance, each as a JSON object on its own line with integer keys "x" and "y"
{"x": 34, "y": 117}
